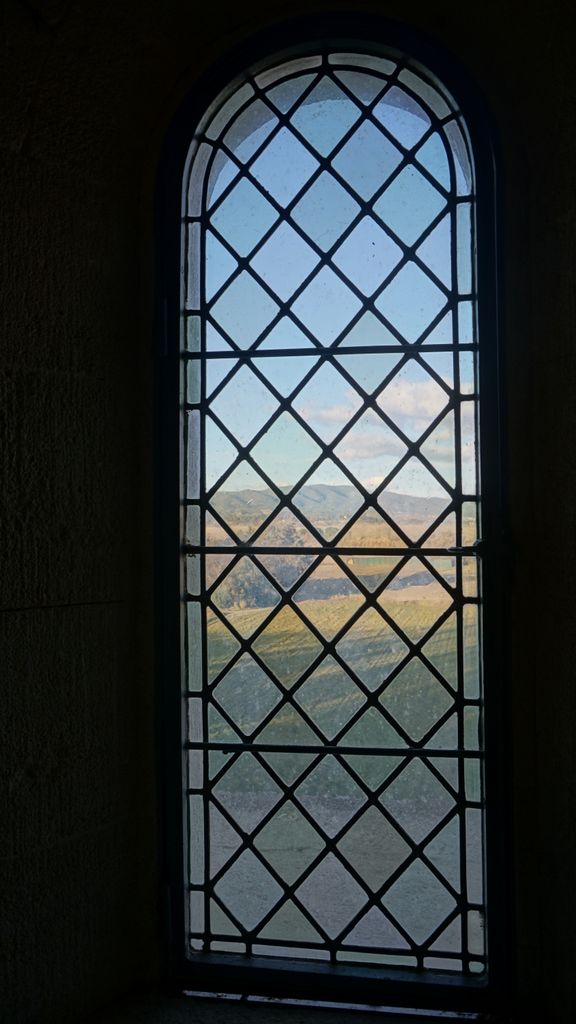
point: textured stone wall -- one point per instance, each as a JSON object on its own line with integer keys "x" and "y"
{"x": 88, "y": 91}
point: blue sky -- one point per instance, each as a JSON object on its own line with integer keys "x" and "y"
{"x": 244, "y": 308}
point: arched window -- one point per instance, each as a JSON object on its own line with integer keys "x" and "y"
{"x": 334, "y": 789}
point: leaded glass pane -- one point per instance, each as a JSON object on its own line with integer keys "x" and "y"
{"x": 330, "y": 478}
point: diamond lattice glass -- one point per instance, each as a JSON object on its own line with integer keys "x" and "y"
{"x": 334, "y": 764}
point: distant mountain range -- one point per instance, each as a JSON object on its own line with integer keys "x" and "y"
{"x": 324, "y": 501}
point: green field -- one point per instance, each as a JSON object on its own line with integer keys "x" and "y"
{"x": 329, "y": 706}
{"x": 330, "y": 697}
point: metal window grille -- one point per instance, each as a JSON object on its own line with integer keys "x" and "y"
{"x": 334, "y": 760}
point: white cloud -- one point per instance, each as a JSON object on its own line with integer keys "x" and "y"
{"x": 369, "y": 445}
{"x": 413, "y": 399}
{"x": 339, "y": 414}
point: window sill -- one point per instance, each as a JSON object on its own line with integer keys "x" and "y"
{"x": 194, "y": 1009}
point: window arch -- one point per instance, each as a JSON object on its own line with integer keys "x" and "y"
{"x": 332, "y": 619}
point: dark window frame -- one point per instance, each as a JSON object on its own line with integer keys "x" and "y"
{"x": 319, "y": 981}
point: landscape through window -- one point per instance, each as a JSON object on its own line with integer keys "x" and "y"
{"x": 334, "y": 762}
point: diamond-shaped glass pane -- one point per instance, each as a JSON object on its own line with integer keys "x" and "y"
{"x": 284, "y": 166}
{"x": 402, "y": 116}
{"x": 244, "y": 405}
{"x": 329, "y": 697}
{"x": 246, "y": 694}
{"x": 331, "y": 895}
{"x": 415, "y": 699}
{"x": 419, "y": 902}
{"x": 285, "y": 452}
{"x": 287, "y": 647}
{"x": 247, "y": 792}
{"x": 245, "y": 597}
{"x": 330, "y": 796}
{"x": 248, "y": 890}
{"x": 414, "y": 499}
{"x": 409, "y": 205}
{"x": 371, "y": 648}
{"x": 415, "y": 599}
{"x": 327, "y": 402}
{"x": 417, "y": 800}
{"x": 244, "y": 217}
{"x": 325, "y": 116}
{"x": 284, "y": 261}
{"x": 367, "y": 256}
{"x": 328, "y": 598}
{"x": 244, "y": 310}
{"x": 410, "y": 302}
{"x": 289, "y": 843}
{"x": 367, "y": 160}
{"x": 326, "y": 306}
{"x": 374, "y": 848}
{"x": 244, "y": 501}
{"x": 412, "y": 399}
{"x": 325, "y": 211}
{"x": 370, "y": 450}
{"x": 327, "y": 500}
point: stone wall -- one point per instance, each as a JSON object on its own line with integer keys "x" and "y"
{"x": 89, "y": 91}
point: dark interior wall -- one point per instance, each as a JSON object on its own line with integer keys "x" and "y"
{"x": 89, "y": 90}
